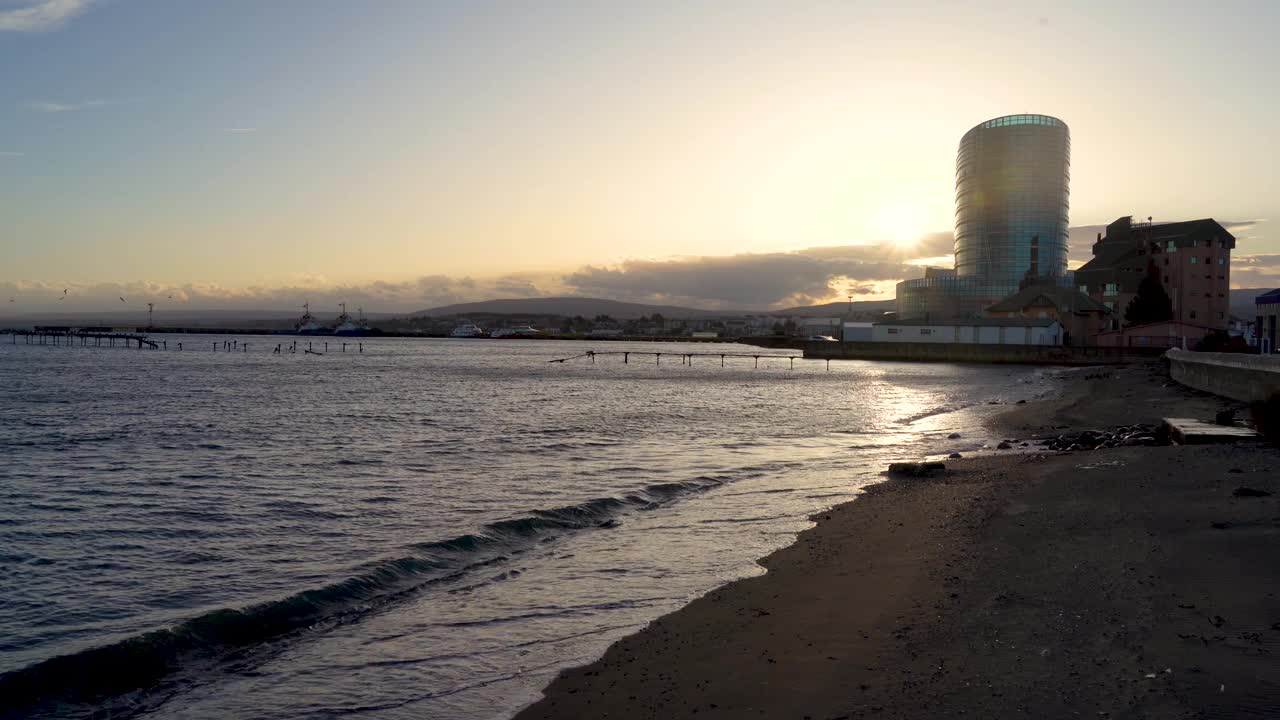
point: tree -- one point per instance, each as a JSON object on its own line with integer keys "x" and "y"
{"x": 1151, "y": 304}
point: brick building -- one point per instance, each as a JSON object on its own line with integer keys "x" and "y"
{"x": 1193, "y": 262}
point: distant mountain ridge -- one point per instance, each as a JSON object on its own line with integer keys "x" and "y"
{"x": 591, "y": 307}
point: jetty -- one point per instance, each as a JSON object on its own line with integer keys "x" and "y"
{"x": 84, "y": 338}
{"x": 685, "y": 358}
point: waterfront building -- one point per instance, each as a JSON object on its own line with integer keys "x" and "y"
{"x": 1012, "y": 205}
{"x": 1080, "y": 315}
{"x": 1192, "y": 261}
{"x": 1268, "y": 305}
{"x": 976, "y": 331}
{"x": 856, "y": 331}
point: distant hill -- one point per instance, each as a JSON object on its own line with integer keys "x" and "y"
{"x": 568, "y": 306}
{"x": 590, "y": 307}
{"x": 1242, "y": 302}
{"x": 837, "y": 309}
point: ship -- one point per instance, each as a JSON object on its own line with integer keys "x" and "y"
{"x": 348, "y": 327}
{"x": 308, "y": 325}
{"x": 515, "y": 332}
{"x": 467, "y": 330}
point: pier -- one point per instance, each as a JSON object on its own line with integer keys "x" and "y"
{"x": 685, "y": 358}
{"x": 68, "y": 337}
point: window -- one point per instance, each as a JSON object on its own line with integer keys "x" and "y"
{"x": 1222, "y": 261}
{"x": 1110, "y": 305}
{"x": 1111, "y": 289}
{"x": 893, "y": 331}
{"x": 1222, "y": 243}
{"x": 1166, "y": 261}
{"x": 1084, "y": 289}
{"x": 1170, "y": 246}
{"x": 1208, "y": 260}
{"x": 1193, "y": 314}
{"x": 1208, "y": 277}
{"x": 926, "y": 331}
{"x": 1221, "y": 316}
{"x": 1194, "y": 259}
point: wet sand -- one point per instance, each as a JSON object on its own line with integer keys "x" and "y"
{"x": 1120, "y": 583}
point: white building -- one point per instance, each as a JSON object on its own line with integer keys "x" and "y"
{"x": 980, "y": 331}
{"x": 857, "y": 332}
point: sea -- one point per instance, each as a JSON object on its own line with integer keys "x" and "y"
{"x": 410, "y": 528}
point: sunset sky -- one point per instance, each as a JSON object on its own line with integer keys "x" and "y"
{"x": 405, "y": 154}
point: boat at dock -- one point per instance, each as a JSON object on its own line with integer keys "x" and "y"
{"x": 468, "y": 330}
{"x": 308, "y": 324}
{"x": 348, "y": 327}
{"x": 515, "y": 332}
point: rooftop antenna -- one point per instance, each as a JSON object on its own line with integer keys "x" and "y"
{"x": 150, "y": 308}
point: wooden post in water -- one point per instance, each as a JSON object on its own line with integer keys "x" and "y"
{"x": 659, "y": 361}
{"x": 326, "y": 347}
{"x": 344, "y": 347}
{"x": 793, "y": 363}
{"x": 757, "y": 361}
{"x": 625, "y": 357}
{"x": 721, "y": 360}
{"x": 361, "y": 347}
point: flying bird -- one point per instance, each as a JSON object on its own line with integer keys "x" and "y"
{"x": 121, "y": 299}
{"x": 64, "y": 296}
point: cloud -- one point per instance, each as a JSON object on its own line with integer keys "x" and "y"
{"x": 1255, "y": 271}
{"x": 10, "y": 154}
{"x": 377, "y": 296}
{"x": 240, "y": 129}
{"x": 49, "y": 106}
{"x": 747, "y": 280}
{"x": 36, "y": 15}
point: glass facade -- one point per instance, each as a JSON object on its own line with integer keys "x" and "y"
{"x": 1012, "y": 180}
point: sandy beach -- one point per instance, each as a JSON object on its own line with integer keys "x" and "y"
{"x": 1131, "y": 582}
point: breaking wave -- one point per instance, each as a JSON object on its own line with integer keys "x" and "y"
{"x": 142, "y": 661}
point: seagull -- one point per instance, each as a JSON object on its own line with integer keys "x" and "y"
{"x": 121, "y": 299}
{"x": 64, "y": 296}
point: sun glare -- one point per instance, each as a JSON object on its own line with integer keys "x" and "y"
{"x": 897, "y": 223}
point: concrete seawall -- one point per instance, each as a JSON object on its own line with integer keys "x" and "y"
{"x": 1248, "y": 378}
{"x": 977, "y": 353}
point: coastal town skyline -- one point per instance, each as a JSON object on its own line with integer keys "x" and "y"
{"x": 421, "y": 155}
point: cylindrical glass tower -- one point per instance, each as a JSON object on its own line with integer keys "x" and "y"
{"x": 1012, "y": 179}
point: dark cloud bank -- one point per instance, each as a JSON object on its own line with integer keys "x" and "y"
{"x": 742, "y": 281}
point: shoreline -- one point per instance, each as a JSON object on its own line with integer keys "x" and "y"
{"x": 1111, "y": 583}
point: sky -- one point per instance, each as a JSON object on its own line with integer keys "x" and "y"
{"x": 403, "y": 154}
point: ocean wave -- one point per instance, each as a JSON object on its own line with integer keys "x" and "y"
{"x": 144, "y": 660}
